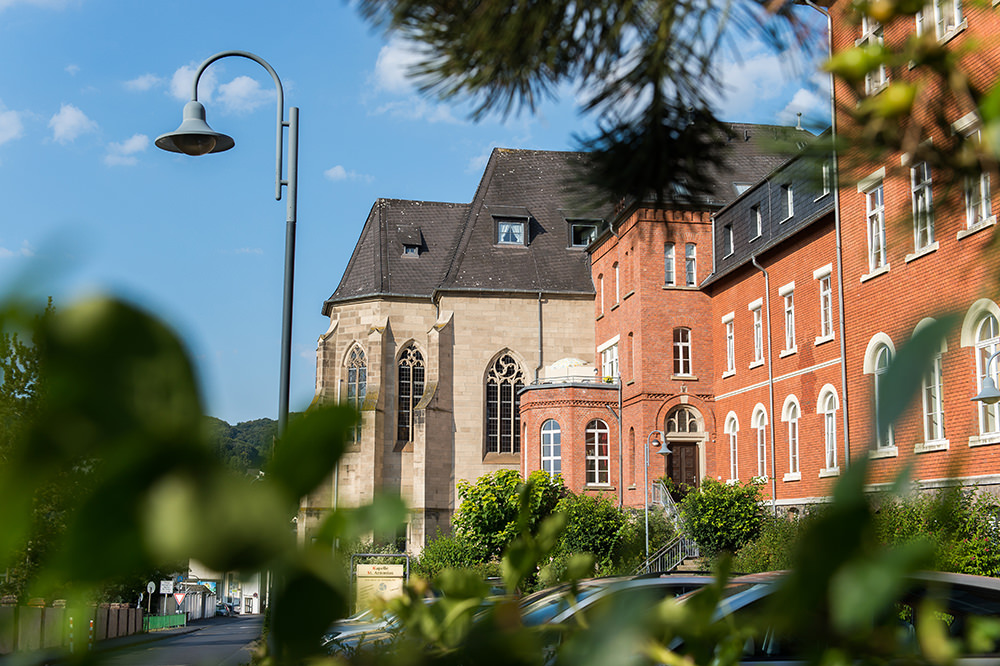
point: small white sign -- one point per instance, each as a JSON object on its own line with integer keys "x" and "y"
{"x": 166, "y": 587}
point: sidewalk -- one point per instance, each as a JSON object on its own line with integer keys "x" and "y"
{"x": 46, "y": 657}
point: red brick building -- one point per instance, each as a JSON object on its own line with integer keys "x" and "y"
{"x": 750, "y": 329}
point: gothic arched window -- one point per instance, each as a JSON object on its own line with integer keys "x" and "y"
{"x": 503, "y": 406}
{"x": 357, "y": 380}
{"x": 411, "y": 388}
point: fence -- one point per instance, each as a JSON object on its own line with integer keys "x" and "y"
{"x": 26, "y": 628}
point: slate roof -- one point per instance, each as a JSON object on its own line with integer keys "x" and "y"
{"x": 458, "y": 249}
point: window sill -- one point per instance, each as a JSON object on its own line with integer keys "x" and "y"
{"x": 628, "y": 295}
{"x": 788, "y": 352}
{"x": 615, "y": 307}
{"x": 732, "y": 482}
{"x": 876, "y": 89}
{"x": 792, "y": 476}
{"x": 979, "y": 226}
{"x": 786, "y": 219}
{"x": 598, "y": 486}
{"x": 985, "y": 439}
{"x": 826, "y": 194}
{"x": 728, "y": 373}
{"x": 630, "y": 382}
{"x": 757, "y": 237}
{"x": 756, "y": 364}
{"x": 828, "y": 472}
{"x": 954, "y": 32}
{"x": 881, "y": 270}
{"x": 682, "y": 287}
{"x": 502, "y": 458}
{"x": 922, "y": 252}
{"x": 599, "y": 317}
{"x": 931, "y": 446}
{"x": 824, "y": 339}
{"x": 883, "y": 452}
{"x": 684, "y": 378}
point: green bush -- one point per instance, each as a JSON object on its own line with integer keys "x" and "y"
{"x": 444, "y": 551}
{"x": 487, "y": 518}
{"x": 594, "y": 525}
{"x": 722, "y": 517}
{"x": 771, "y": 549}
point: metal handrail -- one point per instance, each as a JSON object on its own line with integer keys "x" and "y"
{"x": 670, "y": 556}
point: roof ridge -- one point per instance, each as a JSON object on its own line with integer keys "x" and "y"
{"x": 474, "y": 206}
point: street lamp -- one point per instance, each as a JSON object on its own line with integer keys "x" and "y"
{"x": 645, "y": 481}
{"x": 195, "y": 137}
{"x": 989, "y": 393}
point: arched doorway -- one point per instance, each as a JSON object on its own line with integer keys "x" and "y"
{"x": 683, "y": 434}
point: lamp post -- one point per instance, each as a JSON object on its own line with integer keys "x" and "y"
{"x": 989, "y": 393}
{"x": 645, "y": 481}
{"x": 195, "y": 137}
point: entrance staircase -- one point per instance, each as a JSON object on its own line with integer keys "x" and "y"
{"x": 680, "y": 551}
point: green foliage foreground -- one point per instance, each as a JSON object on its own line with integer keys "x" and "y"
{"x": 120, "y": 417}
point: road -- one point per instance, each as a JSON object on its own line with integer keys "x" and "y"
{"x": 220, "y": 641}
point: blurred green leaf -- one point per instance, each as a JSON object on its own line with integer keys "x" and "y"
{"x": 318, "y": 437}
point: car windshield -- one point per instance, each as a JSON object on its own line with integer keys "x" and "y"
{"x": 546, "y": 608}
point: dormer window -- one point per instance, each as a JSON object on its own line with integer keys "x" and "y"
{"x": 582, "y": 233}
{"x": 510, "y": 232}
{"x": 411, "y": 250}
{"x": 411, "y": 239}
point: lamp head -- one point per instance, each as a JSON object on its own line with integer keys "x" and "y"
{"x": 990, "y": 395}
{"x": 194, "y": 136}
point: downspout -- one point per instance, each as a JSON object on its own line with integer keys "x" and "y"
{"x": 621, "y": 443}
{"x": 770, "y": 382}
{"x": 837, "y": 231}
{"x": 538, "y": 368}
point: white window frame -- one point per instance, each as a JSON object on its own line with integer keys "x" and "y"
{"x": 728, "y": 243}
{"x": 828, "y": 405}
{"x": 978, "y": 208}
{"x": 756, "y": 309}
{"x": 691, "y": 264}
{"x": 729, "y": 323}
{"x": 824, "y": 276}
{"x": 505, "y": 225}
{"x": 932, "y": 399}
{"x": 551, "y": 447}
{"x": 790, "y": 415}
{"x": 756, "y": 221}
{"x": 598, "y": 472}
{"x": 922, "y": 197}
{"x": 618, "y": 283}
{"x": 733, "y": 429}
{"x": 682, "y": 362}
{"x": 788, "y": 201}
{"x": 882, "y": 361}
{"x": 669, "y": 268}
{"x": 787, "y": 293}
{"x": 875, "y": 224}
{"x": 941, "y": 11}
{"x": 609, "y": 359}
{"x": 872, "y": 36}
{"x": 987, "y": 343}
{"x": 760, "y": 425}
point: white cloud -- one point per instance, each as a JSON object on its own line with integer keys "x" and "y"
{"x": 415, "y": 108}
{"x": 183, "y": 78}
{"x": 243, "y": 94}
{"x": 144, "y": 82}
{"x": 811, "y": 104}
{"x": 339, "y": 173}
{"x": 70, "y": 123}
{"x": 124, "y": 153}
{"x": 394, "y": 61}
{"x": 72, "y": 70}
{"x": 249, "y": 250}
{"x": 11, "y": 126}
{"x": 53, "y": 4}
{"x": 24, "y": 251}
{"x": 478, "y": 163}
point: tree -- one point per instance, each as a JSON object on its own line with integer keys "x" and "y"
{"x": 20, "y": 382}
{"x": 647, "y": 70}
{"x": 488, "y": 515}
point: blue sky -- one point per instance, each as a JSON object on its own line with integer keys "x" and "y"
{"x": 89, "y": 205}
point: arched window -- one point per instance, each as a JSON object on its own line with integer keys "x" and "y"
{"x": 551, "y": 447}
{"x": 883, "y": 358}
{"x": 987, "y": 339}
{"x": 411, "y": 388}
{"x": 598, "y": 452}
{"x": 759, "y": 423}
{"x": 682, "y": 420}
{"x": 732, "y": 429}
{"x": 357, "y": 379}
{"x": 827, "y": 406}
{"x": 503, "y": 406}
{"x": 682, "y": 351}
{"x": 791, "y": 417}
{"x": 932, "y": 394}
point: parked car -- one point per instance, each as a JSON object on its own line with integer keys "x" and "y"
{"x": 222, "y": 609}
{"x": 961, "y": 600}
